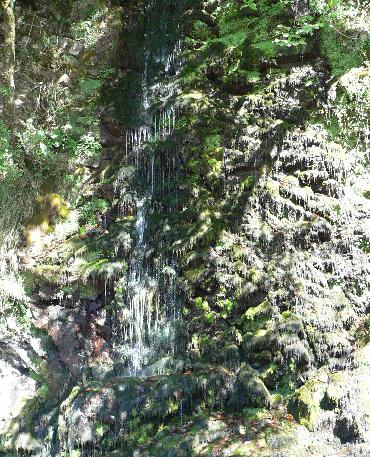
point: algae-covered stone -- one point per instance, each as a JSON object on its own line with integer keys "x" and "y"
{"x": 338, "y": 403}
{"x": 253, "y": 387}
{"x": 306, "y": 404}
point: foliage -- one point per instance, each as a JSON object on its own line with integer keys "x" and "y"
{"x": 90, "y": 210}
{"x": 39, "y": 147}
{"x": 5, "y": 90}
{"x": 88, "y": 147}
{"x": 86, "y": 29}
{"x": 349, "y": 101}
{"x": 90, "y": 85}
{"x": 344, "y": 40}
{"x": 297, "y": 34}
{"x": 6, "y": 159}
{"x": 20, "y": 311}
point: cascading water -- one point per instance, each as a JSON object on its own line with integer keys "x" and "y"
{"x": 147, "y": 320}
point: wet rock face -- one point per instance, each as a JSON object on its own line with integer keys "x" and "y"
{"x": 124, "y": 402}
{"x": 229, "y": 197}
{"x": 337, "y": 403}
{"x": 286, "y": 223}
{"x": 16, "y": 388}
{"x": 299, "y": 226}
{"x": 63, "y": 329}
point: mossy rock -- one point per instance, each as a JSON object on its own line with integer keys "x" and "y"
{"x": 253, "y": 387}
{"x": 306, "y": 404}
{"x": 42, "y": 275}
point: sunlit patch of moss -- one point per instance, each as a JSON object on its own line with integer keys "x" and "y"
{"x": 256, "y": 318}
{"x": 49, "y": 208}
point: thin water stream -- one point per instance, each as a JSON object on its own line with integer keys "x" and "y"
{"x": 151, "y": 308}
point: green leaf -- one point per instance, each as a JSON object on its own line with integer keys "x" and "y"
{"x": 90, "y": 85}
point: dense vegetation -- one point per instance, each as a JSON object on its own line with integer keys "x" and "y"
{"x": 219, "y": 152}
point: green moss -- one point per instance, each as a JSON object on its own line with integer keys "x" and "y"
{"x": 210, "y": 317}
{"x": 201, "y": 31}
{"x": 94, "y": 266}
{"x": 288, "y": 315}
{"x": 248, "y": 183}
{"x": 254, "y": 413}
{"x": 43, "y": 391}
{"x": 256, "y": 318}
{"x": 261, "y": 310}
{"x": 194, "y": 274}
{"x": 341, "y": 54}
{"x": 91, "y": 210}
{"x": 306, "y": 403}
{"x": 49, "y": 208}
{"x": 238, "y": 251}
{"x": 42, "y": 275}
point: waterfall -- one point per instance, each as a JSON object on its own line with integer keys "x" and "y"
{"x": 150, "y": 309}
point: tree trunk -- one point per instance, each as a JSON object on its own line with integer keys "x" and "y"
{"x": 9, "y": 61}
